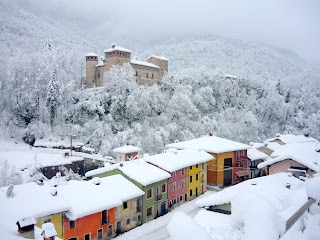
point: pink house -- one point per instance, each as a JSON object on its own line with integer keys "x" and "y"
{"x": 300, "y": 159}
{"x": 176, "y": 163}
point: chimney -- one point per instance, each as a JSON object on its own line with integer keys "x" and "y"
{"x": 96, "y": 181}
{"x": 113, "y": 45}
{"x": 288, "y": 185}
{"x": 54, "y": 191}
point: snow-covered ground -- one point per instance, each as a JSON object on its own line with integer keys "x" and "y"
{"x": 157, "y": 229}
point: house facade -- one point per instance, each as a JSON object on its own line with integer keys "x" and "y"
{"x": 300, "y": 159}
{"x": 230, "y": 158}
{"x": 94, "y": 226}
{"x": 150, "y": 179}
{"x": 146, "y": 73}
{"x": 255, "y": 157}
{"x": 188, "y": 173}
{"x": 196, "y": 180}
{"x": 56, "y": 219}
{"x": 125, "y": 153}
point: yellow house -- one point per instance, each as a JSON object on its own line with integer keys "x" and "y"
{"x": 56, "y": 219}
{"x": 230, "y": 164}
{"x": 196, "y": 180}
{"x": 39, "y": 202}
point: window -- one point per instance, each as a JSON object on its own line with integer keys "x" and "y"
{"x": 182, "y": 171}
{"x": 139, "y": 217}
{"x": 237, "y": 164}
{"x": 174, "y": 201}
{"x": 180, "y": 198}
{"x": 139, "y": 207}
{"x": 87, "y": 236}
{"x": 241, "y": 164}
{"x": 47, "y": 220}
{"x": 149, "y": 211}
{"x": 182, "y": 183}
{"x": 152, "y": 76}
{"x": 190, "y": 167}
{"x": 197, "y": 176}
{"x": 128, "y": 221}
{"x": 147, "y": 75}
{"x": 202, "y": 166}
{"x": 190, "y": 192}
{"x": 163, "y": 188}
{"x": 197, "y": 165}
{"x": 73, "y": 238}
{"x": 100, "y": 233}
{"x": 104, "y": 217}
{"x": 125, "y": 205}
{"x": 72, "y": 224}
{"x": 174, "y": 186}
{"x": 110, "y": 230}
{"x": 136, "y": 73}
{"x": 190, "y": 178}
{"x": 174, "y": 174}
{"x": 149, "y": 193}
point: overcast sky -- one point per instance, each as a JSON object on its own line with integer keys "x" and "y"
{"x": 291, "y": 24}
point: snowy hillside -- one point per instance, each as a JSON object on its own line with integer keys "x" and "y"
{"x": 272, "y": 90}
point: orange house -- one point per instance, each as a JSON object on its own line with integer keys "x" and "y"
{"x": 93, "y": 204}
{"x": 230, "y": 158}
{"x": 93, "y": 226}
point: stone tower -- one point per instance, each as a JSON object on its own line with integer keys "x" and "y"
{"x": 91, "y": 62}
{"x": 161, "y": 62}
{"x": 116, "y": 56}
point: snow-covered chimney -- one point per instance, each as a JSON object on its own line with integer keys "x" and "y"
{"x": 96, "y": 181}
{"x": 54, "y": 191}
{"x": 113, "y": 45}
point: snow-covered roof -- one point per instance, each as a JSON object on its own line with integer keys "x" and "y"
{"x": 27, "y": 221}
{"x": 138, "y": 170}
{"x": 143, "y": 172}
{"x": 158, "y": 57}
{"x": 218, "y": 225}
{"x": 94, "y": 157}
{"x": 29, "y": 201}
{"x": 116, "y": 48}
{"x": 146, "y": 64}
{"x": 182, "y": 226}
{"x": 56, "y": 143}
{"x": 273, "y": 145}
{"x": 126, "y": 149}
{"x": 37, "y": 157}
{"x": 290, "y": 138}
{"x": 100, "y": 64}
{"x": 211, "y": 144}
{"x": 88, "y": 198}
{"x": 91, "y": 55}
{"x": 257, "y": 145}
{"x": 254, "y": 154}
{"x": 171, "y": 161}
{"x": 271, "y": 188}
{"x": 303, "y": 153}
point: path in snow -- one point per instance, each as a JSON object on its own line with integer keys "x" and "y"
{"x": 157, "y": 229}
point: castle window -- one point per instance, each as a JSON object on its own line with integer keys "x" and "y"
{"x": 147, "y": 75}
{"x": 136, "y": 73}
{"x": 152, "y": 75}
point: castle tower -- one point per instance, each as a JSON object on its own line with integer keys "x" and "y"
{"x": 116, "y": 56}
{"x": 161, "y": 62}
{"x": 91, "y": 62}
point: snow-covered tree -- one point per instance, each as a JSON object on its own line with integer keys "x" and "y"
{"x": 54, "y": 98}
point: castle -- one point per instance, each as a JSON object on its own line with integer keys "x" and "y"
{"x": 147, "y": 73}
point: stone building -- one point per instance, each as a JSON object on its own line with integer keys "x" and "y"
{"x": 147, "y": 73}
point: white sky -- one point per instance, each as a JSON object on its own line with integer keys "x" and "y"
{"x": 291, "y": 24}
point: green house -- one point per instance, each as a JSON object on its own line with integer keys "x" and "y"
{"x": 150, "y": 179}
